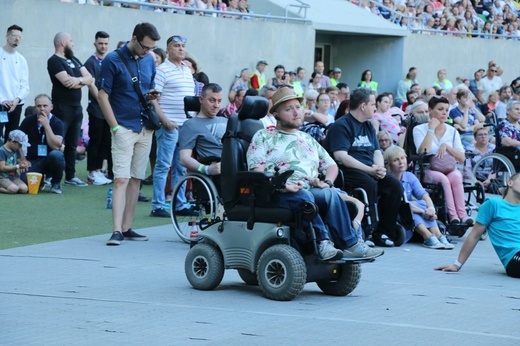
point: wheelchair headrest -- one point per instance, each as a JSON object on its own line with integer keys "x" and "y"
{"x": 191, "y": 103}
{"x": 253, "y": 107}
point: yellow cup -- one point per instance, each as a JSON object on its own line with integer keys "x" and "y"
{"x": 33, "y": 181}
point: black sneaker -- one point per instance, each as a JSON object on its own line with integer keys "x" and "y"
{"x": 148, "y": 180}
{"x": 186, "y": 212}
{"x": 143, "y": 198}
{"x": 116, "y": 238}
{"x": 131, "y": 235}
{"x": 159, "y": 212}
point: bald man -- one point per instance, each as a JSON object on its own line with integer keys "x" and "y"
{"x": 68, "y": 76}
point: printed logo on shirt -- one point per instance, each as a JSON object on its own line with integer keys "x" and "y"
{"x": 362, "y": 141}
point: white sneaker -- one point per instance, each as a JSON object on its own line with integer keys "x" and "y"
{"x": 444, "y": 241}
{"x": 327, "y": 250}
{"x": 95, "y": 179}
{"x": 101, "y": 176}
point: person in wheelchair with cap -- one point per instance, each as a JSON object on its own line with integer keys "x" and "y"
{"x": 287, "y": 148}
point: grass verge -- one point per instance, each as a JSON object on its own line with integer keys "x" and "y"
{"x": 78, "y": 212}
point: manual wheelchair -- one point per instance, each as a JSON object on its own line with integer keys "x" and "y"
{"x": 268, "y": 246}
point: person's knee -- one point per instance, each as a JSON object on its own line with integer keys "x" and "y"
{"x": 23, "y": 189}
{"x": 12, "y": 188}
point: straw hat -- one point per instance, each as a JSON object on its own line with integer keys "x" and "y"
{"x": 281, "y": 95}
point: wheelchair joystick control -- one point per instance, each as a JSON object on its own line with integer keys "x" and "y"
{"x": 194, "y": 233}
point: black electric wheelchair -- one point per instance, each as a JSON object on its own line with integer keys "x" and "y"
{"x": 268, "y": 246}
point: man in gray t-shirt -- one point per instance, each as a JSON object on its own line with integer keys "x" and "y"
{"x": 203, "y": 134}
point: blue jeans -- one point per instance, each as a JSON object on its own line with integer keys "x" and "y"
{"x": 168, "y": 155}
{"x": 333, "y": 210}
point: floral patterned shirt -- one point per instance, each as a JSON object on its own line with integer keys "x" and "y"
{"x": 299, "y": 151}
{"x": 507, "y": 129}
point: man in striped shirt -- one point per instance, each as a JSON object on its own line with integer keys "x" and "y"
{"x": 175, "y": 81}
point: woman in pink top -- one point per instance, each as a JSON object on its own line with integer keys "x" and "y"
{"x": 382, "y": 120}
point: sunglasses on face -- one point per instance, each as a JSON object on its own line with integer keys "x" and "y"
{"x": 177, "y": 39}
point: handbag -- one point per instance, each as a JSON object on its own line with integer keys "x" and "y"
{"x": 445, "y": 164}
{"x": 152, "y": 121}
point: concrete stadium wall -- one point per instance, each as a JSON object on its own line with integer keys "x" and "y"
{"x": 222, "y": 47}
{"x": 389, "y": 57}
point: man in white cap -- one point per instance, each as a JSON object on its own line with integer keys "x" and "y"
{"x": 286, "y": 148}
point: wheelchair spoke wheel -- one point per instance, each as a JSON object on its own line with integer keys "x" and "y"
{"x": 496, "y": 164}
{"x": 195, "y": 197}
{"x": 281, "y": 272}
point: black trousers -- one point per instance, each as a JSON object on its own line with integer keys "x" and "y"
{"x": 386, "y": 192}
{"x": 72, "y": 117}
{"x": 99, "y": 143}
{"x": 14, "y": 121}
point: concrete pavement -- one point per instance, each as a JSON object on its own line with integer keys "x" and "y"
{"x": 82, "y": 292}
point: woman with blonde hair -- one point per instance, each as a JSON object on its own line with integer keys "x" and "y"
{"x": 424, "y": 214}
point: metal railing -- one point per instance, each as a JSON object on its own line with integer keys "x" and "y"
{"x": 168, "y": 7}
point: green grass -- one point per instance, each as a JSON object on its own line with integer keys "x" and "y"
{"x": 78, "y": 212}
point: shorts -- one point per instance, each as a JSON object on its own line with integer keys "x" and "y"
{"x": 130, "y": 151}
{"x": 5, "y": 183}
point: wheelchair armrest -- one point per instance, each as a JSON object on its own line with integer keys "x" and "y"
{"x": 256, "y": 178}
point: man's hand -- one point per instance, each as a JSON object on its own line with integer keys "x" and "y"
{"x": 168, "y": 125}
{"x": 153, "y": 95}
{"x": 43, "y": 120}
{"x": 293, "y": 187}
{"x": 214, "y": 168}
{"x": 11, "y": 104}
{"x": 378, "y": 172}
{"x": 448, "y": 268}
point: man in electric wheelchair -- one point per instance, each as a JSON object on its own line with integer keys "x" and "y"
{"x": 270, "y": 243}
{"x": 286, "y": 148}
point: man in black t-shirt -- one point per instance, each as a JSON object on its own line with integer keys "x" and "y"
{"x": 68, "y": 76}
{"x": 352, "y": 140}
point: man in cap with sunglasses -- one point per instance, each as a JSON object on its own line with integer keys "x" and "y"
{"x": 286, "y": 148}
{"x": 488, "y": 84}
{"x": 131, "y": 140}
{"x": 175, "y": 81}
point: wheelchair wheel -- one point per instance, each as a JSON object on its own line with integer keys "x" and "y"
{"x": 281, "y": 272}
{"x": 204, "y": 267}
{"x": 202, "y": 196}
{"x": 347, "y": 281}
{"x": 400, "y": 235}
{"x": 248, "y": 277}
{"x": 499, "y": 164}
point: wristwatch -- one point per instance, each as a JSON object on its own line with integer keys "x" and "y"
{"x": 80, "y": 80}
{"x": 330, "y": 183}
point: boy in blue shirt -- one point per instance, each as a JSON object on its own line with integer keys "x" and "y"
{"x": 500, "y": 218}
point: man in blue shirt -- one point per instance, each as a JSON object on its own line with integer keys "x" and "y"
{"x": 131, "y": 140}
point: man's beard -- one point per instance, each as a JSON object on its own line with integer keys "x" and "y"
{"x": 69, "y": 54}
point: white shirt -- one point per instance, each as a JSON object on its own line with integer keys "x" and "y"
{"x": 174, "y": 82}
{"x": 488, "y": 86}
{"x": 14, "y": 76}
{"x": 451, "y": 137}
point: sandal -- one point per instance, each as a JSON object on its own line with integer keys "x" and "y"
{"x": 382, "y": 240}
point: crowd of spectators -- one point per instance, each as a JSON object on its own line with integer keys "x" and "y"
{"x": 497, "y": 19}
{"x": 241, "y": 7}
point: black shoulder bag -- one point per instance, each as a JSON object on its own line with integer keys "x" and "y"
{"x": 152, "y": 122}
